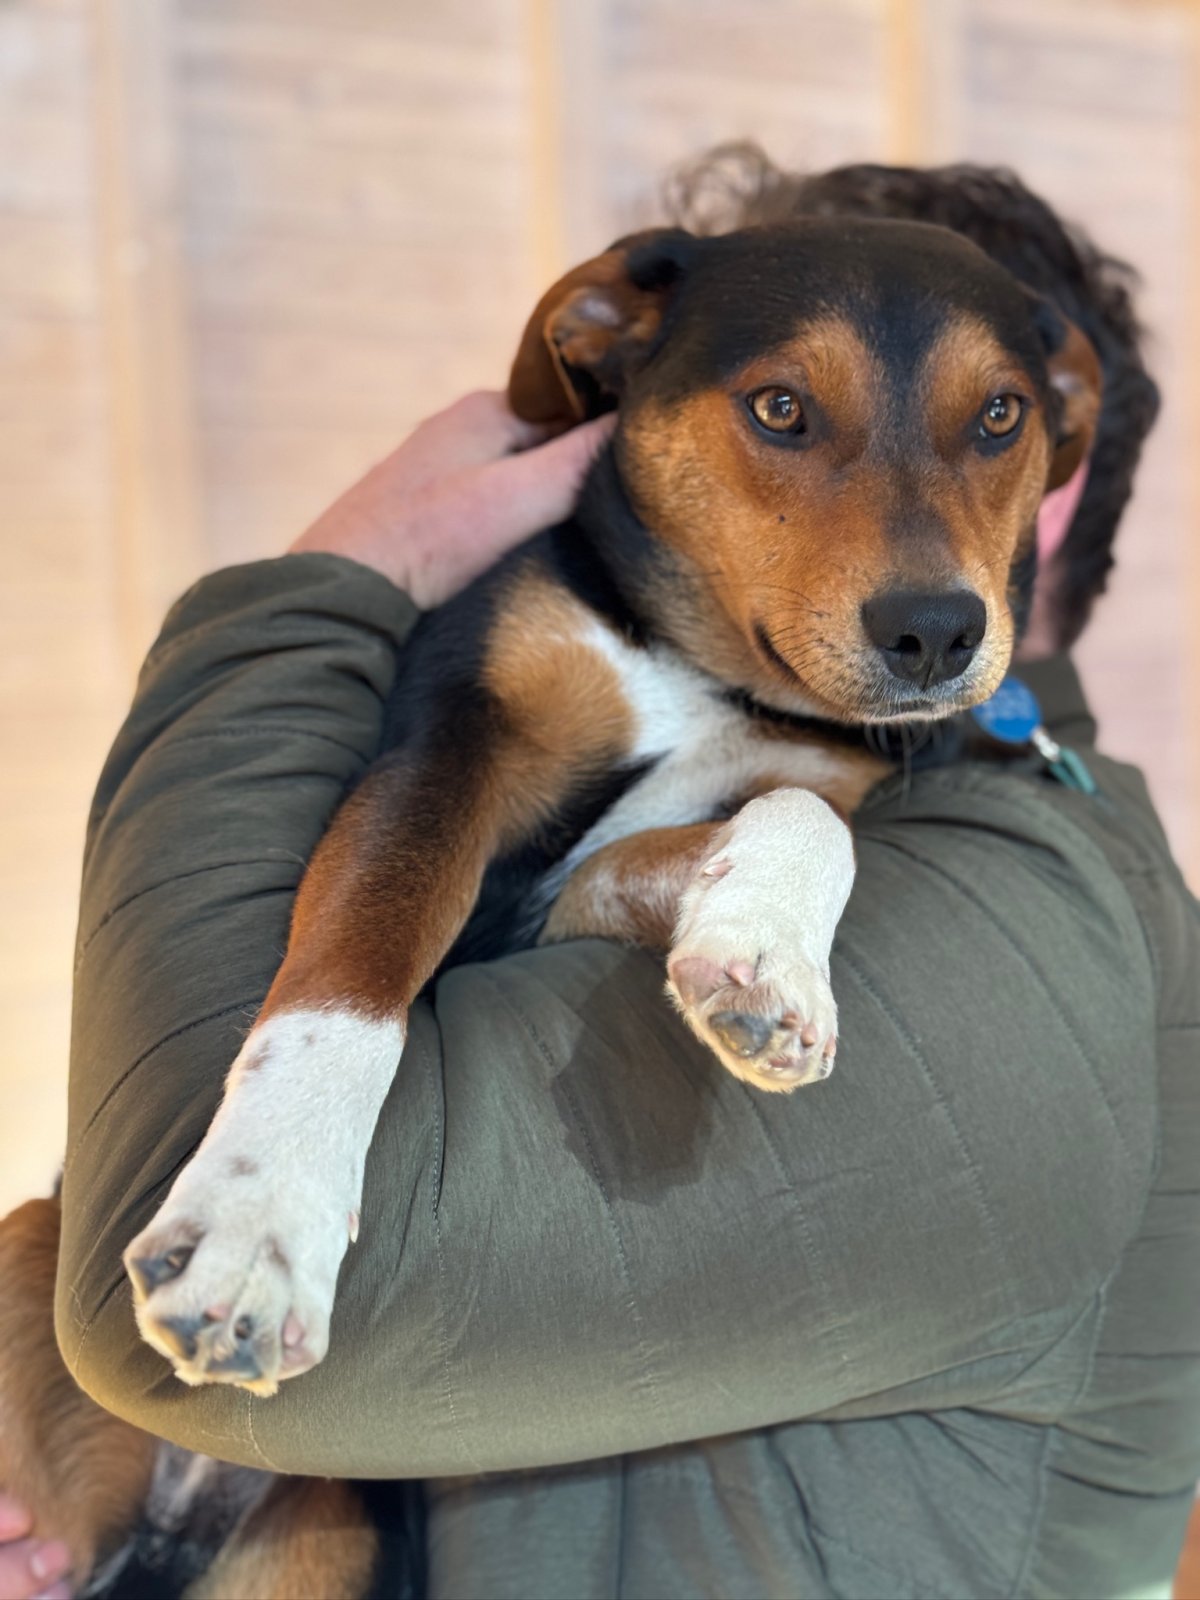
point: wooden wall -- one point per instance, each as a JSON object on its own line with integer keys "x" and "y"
{"x": 245, "y": 244}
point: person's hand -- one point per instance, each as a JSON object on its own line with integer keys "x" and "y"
{"x": 29, "y": 1568}
{"x": 468, "y": 485}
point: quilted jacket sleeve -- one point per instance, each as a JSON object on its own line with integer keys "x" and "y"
{"x": 580, "y": 1237}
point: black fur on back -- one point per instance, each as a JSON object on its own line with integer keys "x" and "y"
{"x": 440, "y": 713}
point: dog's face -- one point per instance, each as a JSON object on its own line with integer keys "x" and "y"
{"x": 839, "y": 433}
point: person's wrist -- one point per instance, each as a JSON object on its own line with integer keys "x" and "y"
{"x": 343, "y": 538}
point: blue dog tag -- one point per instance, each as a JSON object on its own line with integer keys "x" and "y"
{"x": 1013, "y": 717}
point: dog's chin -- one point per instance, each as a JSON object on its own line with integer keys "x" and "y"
{"x": 891, "y": 702}
{"x": 857, "y": 689}
{"x": 864, "y": 693}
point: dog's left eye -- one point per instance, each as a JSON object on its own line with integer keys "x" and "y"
{"x": 1001, "y": 416}
{"x": 778, "y": 410}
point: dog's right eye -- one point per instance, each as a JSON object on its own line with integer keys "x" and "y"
{"x": 778, "y": 410}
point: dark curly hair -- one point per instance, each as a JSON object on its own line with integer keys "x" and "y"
{"x": 737, "y": 186}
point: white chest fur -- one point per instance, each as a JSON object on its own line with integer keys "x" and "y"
{"x": 707, "y": 751}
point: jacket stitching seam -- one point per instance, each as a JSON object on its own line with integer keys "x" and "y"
{"x": 969, "y": 1162}
{"x": 635, "y": 1313}
{"x": 197, "y": 1022}
{"x": 447, "y": 1365}
{"x": 836, "y": 1325}
{"x": 252, "y": 731}
{"x": 1018, "y": 948}
{"x": 182, "y": 877}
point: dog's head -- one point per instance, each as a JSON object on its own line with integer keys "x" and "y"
{"x": 838, "y": 433}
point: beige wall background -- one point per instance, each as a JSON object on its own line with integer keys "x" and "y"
{"x": 245, "y": 244}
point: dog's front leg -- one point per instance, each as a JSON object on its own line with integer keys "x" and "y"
{"x": 234, "y": 1279}
{"x": 748, "y": 910}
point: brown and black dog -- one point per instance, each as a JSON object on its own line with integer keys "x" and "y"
{"x": 817, "y": 515}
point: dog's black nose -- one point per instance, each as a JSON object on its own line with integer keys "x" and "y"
{"x": 926, "y": 638}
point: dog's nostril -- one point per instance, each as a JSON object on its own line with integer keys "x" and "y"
{"x": 926, "y": 638}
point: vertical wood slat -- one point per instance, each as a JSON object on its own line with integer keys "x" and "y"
{"x": 566, "y": 53}
{"x": 156, "y": 525}
{"x": 1190, "y": 732}
{"x": 926, "y": 71}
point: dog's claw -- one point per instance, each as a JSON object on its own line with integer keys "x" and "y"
{"x": 181, "y": 1334}
{"x": 149, "y": 1272}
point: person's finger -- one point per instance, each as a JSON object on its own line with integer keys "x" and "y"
{"x": 483, "y": 514}
{"x": 539, "y": 487}
{"x": 31, "y": 1568}
{"x": 16, "y": 1519}
{"x": 477, "y": 428}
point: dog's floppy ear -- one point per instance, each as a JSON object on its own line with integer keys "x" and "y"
{"x": 593, "y": 326}
{"x": 1076, "y": 376}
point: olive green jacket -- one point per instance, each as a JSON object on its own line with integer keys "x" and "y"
{"x": 931, "y": 1328}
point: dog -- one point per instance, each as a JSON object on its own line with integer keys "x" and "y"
{"x": 814, "y": 529}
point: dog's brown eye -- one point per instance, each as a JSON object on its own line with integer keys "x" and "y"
{"x": 778, "y": 409}
{"x": 1000, "y": 415}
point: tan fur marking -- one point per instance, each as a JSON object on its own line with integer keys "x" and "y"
{"x": 829, "y": 360}
{"x": 84, "y": 1473}
{"x": 307, "y": 1539}
{"x": 965, "y": 367}
{"x": 395, "y": 878}
{"x": 564, "y": 702}
{"x": 993, "y": 503}
{"x": 630, "y": 890}
{"x": 790, "y": 540}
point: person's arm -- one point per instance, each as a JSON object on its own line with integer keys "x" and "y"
{"x": 584, "y": 1238}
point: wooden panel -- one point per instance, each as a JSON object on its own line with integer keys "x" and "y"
{"x": 84, "y": 450}
{"x": 45, "y": 265}
{"x": 44, "y": 84}
{"x": 155, "y": 530}
{"x": 804, "y": 77}
{"x": 358, "y": 212}
{"x": 385, "y": 287}
{"x": 265, "y": 484}
{"x": 491, "y": 26}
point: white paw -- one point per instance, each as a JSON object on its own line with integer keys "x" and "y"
{"x": 750, "y": 965}
{"x": 234, "y": 1279}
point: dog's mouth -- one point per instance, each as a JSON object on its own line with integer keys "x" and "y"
{"x": 856, "y": 686}
{"x": 766, "y": 646}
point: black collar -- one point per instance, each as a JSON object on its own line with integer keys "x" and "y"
{"x": 912, "y": 745}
